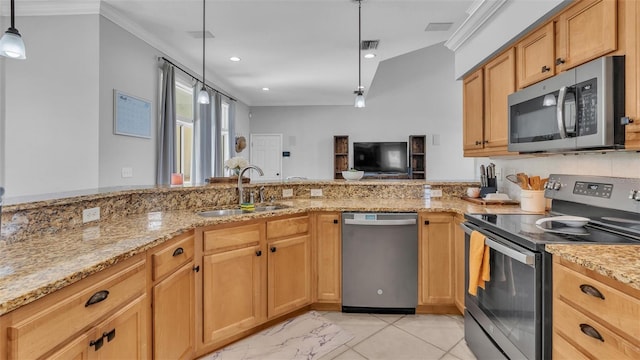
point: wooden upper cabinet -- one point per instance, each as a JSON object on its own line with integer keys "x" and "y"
{"x": 586, "y": 31}
{"x": 473, "y": 110}
{"x": 536, "y": 56}
{"x": 632, "y": 74}
{"x": 499, "y": 82}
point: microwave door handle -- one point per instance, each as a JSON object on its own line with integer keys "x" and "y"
{"x": 560, "y": 112}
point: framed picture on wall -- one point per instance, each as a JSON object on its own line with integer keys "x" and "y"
{"x": 132, "y": 115}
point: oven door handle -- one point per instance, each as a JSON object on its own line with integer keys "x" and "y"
{"x": 528, "y": 259}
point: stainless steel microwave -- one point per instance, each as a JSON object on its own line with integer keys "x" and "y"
{"x": 578, "y": 109}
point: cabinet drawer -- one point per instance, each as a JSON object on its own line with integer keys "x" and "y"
{"x": 617, "y": 308}
{"x": 233, "y": 237}
{"x": 563, "y": 350}
{"x": 576, "y": 326}
{"x": 287, "y": 227}
{"x": 171, "y": 258}
{"x": 52, "y": 320}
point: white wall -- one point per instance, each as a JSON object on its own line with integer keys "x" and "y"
{"x": 129, "y": 65}
{"x": 411, "y": 94}
{"x": 51, "y": 107}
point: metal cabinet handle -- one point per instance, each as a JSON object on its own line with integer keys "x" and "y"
{"x": 591, "y": 332}
{"x": 592, "y": 291}
{"x": 559, "y": 61}
{"x": 478, "y": 142}
{"x": 273, "y": 249}
{"x": 426, "y": 222}
{"x": 545, "y": 69}
{"x": 196, "y": 268}
{"x": 97, "y": 344}
{"x": 259, "y": 253}
{"x": 335, "y": 221}
{"x": 178, "y": 251}
{"x": 97, "y": 297}
{"x": 109, "y": 335}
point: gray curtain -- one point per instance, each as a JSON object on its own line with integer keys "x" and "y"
{"x": 202, "y": 141}
{"x": 218, "y": 161}
{"x": 232, "y": 128}
{"x": 167, "y": 127}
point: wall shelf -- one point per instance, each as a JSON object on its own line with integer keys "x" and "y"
{"x": 417, "y": 156}
{"x": 340, "y": 155}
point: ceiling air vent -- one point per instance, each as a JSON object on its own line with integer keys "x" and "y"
{"x": 369, "y": 44}
{"x": 198, "y": 34}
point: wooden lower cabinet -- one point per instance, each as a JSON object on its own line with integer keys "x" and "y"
{"x": 594, "y": 316}
{"x": 289, "y": 275}
{"x": 436, "y": 263}
{"x": 327, "y": 247}
{"x": 232, "y": 292}
{"x": 459, "y": 262}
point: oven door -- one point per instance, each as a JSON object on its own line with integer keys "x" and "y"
{"x": 509, "y": 309}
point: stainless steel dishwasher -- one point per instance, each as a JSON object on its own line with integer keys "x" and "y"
{"x": 380, "y": 262}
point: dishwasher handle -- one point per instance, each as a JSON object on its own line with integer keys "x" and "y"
{"x": 517, "y": 255}
{"x": 396, "y": 222}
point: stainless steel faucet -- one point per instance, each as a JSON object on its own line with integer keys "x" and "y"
{"x": 240, "y": 189}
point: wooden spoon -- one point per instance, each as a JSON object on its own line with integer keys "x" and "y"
{"x": 524, "y": 180}
{"x": 534, "y": 182}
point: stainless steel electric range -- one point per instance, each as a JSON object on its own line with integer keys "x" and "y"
{"x": 511, "y": 317}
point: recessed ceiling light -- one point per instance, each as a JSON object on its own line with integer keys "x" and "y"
{"x": 234, "y": 58}
{"x": 369, "y": 56}
{"x": 265, "y": 89}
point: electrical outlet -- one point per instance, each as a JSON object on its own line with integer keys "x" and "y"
{"x": 436, "y": 193}
{"x": 127, "y": 172}
{"x": 287, "y": 193}
{"x": 92, "y": 214}
{"x": 316, "y": 192}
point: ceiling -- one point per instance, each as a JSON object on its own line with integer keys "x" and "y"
{"x": 304, "y": 51}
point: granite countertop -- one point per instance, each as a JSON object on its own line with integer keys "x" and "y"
{"x": 45, "y": 263}
{"x": 619, "y": 262}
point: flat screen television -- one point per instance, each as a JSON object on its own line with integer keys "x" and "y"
{"x": 386, "y": 157}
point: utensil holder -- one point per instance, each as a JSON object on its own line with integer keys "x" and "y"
{"x": 532, "y": 200}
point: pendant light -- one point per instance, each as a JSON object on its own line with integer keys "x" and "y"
{"x": 359, "y": 103}
{"x": 11, "y": 44}
{"x": 203, "y": 95}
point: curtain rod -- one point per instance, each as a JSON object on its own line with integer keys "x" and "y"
{"x": 195, "y": 78}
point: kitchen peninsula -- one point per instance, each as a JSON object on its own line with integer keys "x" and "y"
{"x": 48, "y": 252}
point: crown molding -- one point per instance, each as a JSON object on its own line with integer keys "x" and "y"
{"x": 479, "y": 12}
{"x": 48, "y": 7}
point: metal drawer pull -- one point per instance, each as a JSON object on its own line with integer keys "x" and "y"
{"x": 97, "y": 297}
{"x": 178, "y": 251}
{"x": 273, "y": 249}
{"x": 590, "y": 331}
{"x": 259, "y": 253}
{"x": 590, "y": 290}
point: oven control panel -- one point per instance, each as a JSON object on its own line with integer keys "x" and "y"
{"x": 608, "y": 192}
{"x": 593, "y": 189}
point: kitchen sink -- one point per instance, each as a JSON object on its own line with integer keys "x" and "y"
{"x": 230, "y": 212}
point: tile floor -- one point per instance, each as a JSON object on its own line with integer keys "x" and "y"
{"x": 397, "y": 337}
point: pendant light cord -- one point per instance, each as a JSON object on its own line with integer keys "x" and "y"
{"x": 203, "y": 38}
{"x": 13, "y": 17}
{"x": 359, "y": 46}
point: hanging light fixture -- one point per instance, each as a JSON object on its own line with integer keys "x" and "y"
{"x": 11, "y": 44}
{"x": 359, "y": 103}
{"x": 203, "y": 95}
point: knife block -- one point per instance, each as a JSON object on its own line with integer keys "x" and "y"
{"x": 492, "y": 188}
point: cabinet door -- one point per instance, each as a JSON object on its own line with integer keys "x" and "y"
{"x": 499, "y": 83}
{"x": 78, "y": 349}
{"x": 329, "y": 257}
{"x": 289, "y": 275}
{"x": 231, "y": 292}
{"x": 536, "y": 56}
{"x": 459, "y": 263}
{"x": 473, "y": 111}
{"x": 632, "y": 74}
{"x": 435, "y": 278}
{"x": 124, "y": 334}
{"x": 586, "y": 31}
{"x": 174, "y": 315}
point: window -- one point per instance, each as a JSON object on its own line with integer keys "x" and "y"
{"x": 184, "y": 129}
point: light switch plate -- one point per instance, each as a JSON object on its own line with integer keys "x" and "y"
{"x": 287, "y": 193}
{"x": 127, "y": 172}
{"x": 92, "y": 214}
{"x": 316, "y": 192}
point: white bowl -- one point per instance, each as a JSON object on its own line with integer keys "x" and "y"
{"x": 352, "y": 175}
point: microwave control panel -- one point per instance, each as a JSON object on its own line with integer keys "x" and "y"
{"x": 587, "y": 107}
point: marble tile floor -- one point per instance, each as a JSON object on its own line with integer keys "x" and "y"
{"x": 399, "y": 337}
{"x": 377, "y": 336}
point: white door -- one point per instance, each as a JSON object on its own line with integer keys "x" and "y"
{"x": 266, "y": 152}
